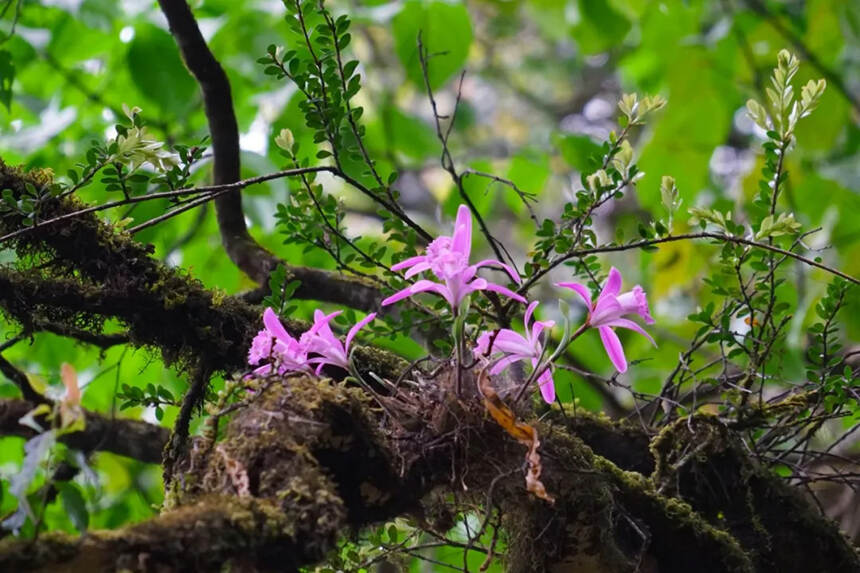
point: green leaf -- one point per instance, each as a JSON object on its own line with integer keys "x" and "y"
{"x": 7, "y": 76}
{"x": 349, "y": 68}
{"x": 579, "y": 151}
{"x": 600, "y": 27}
{"x": 74, "y": 504}
{"x": 446, "y": 32}
{"x": 406, "y": 134}
{"x": 157, "y": 70}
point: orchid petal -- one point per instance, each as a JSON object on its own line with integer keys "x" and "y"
{"x": 412, "y": 261}
{"x": 529, "y": 312}
{"x": 461, "y": 240}
{"x": 511, "y": 342}
{"x": 323, "y": 329}
{"x": 606, "y": 310}
{"x": 613, "y": 283}
{"x": 629, "y": 324}
{"x": 467, "y": 274}
{"x": 482, "y": 344}
{"x": 461, "y": 289}
{"x": 420, "y": 286}
{"x": 262, "y": 370}
{"x": 399, "y": 295}
{"x": 494, "y": 263}
{"x": 635, "y": 301}
{"x": 418, "y": 268}
{"x": 358, "y": 326}
{"x": 613, "y": 348}
{"x": 501, "y": 290}
{"x": 261, "y": 347}
{"x": 273, "y": 325}
{"x": 504, "y": 363}
{"x": 322, "y": 362}
{"x": 579, "y": 289}
{"x": 547, "y": 386}
{"x": 538, "y": 327}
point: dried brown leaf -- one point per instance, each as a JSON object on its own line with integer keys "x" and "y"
{"x": 522, "y": 432}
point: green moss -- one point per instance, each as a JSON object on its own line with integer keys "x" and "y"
{"x": 380, "y": 362}
{"x": 218, "y": 296}
{"x": 672, "y": 519}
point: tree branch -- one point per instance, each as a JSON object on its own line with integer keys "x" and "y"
{"x": 685, "y": 237}
{"x": 131, "y": 438}
{"x": 103, "y": 341}
{"x": 303, "y": 459}
{"x": 19, "y": 379}
{"x": 242, "y": 249}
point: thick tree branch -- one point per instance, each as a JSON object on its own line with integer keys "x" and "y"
{"x": 303, "y": 459}
{"x": 134, "y": 439}
{"x": 242, "y": 249}
{"x": 177, "y": 315}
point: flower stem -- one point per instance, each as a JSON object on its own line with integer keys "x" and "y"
{"x": 458, "y": 351}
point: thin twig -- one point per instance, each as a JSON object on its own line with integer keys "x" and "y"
{"x": 684, "y": 237}
{"x": 212, "y": 190}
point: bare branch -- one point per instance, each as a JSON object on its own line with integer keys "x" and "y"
{"x": 685, "y": 237}
{"x": 19, "y": 378}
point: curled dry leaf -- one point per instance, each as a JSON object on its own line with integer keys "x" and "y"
{"x": 71, "y": 415}
{"x": 70, "y": 381}
{"x": 522, "y": 432}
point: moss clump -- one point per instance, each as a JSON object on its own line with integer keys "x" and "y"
{"x": 621, "y": 441}
{"x": 680, "y": 539}
{"x": 380, "y": 362}
{"x": 700, "y": 460}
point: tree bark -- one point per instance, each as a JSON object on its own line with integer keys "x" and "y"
{"x": 307, "y": 458}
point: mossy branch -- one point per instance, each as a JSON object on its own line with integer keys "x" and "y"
{"x": 306, "y": 458}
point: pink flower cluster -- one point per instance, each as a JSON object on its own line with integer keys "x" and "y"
{"x": 317, "y": 346}
{"x": 447, "y": 258}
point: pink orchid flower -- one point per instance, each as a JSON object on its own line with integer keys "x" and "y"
{"x": 448, "y": 259}
{"x": 330, "y": 349}
{"x": 609, "y": 310}
{"x": 515, "y": 347}
{"x": 274, "y": 342}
